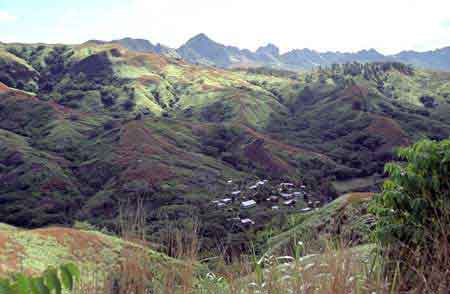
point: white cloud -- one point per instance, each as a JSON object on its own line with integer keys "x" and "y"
{"x": 5, "y": 16}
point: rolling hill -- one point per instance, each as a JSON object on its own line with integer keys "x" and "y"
{"x": 85, "y": 128}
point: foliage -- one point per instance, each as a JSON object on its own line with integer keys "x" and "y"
{"x": 414, "y": 212}
{"x": 53, "y": 280}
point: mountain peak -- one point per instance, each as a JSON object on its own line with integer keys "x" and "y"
{"x": 269, "y": 49}
{"x": 203, "y": 38}
{"x": 371, "y": 51}
{"x": 139, "y": 45}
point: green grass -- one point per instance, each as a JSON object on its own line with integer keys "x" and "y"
{"x": 345, "y": 217}
{"x": 34, "y": 251}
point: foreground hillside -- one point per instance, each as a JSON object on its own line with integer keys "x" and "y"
{"x": 346, "y": 246}
{"x": 33, "y": 251}
{"x": 86, "y": 129}
{"x": 346, "y": 218}
{"x": 101, "y": 257}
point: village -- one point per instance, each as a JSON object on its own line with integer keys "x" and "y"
{"x": 278, "y": 198}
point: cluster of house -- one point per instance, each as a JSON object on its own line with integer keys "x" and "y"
{"x": 288, "y": 193}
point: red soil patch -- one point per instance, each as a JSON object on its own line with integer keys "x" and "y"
{"x": 256, "y": 152}
{"x": 152, "y": 175}
{"x": 54, "y": 184}
{"x": 81, "y": 246}
{"x": 3, "y": 88}
{"x": 285, "y": 147}
{"x": 13, "y": 260}
{"x": 205, "y": 87}
{"x": 354, "y": 95}
{"x": 149, "y": 79}
{"x": 3, "y": 239}
{"x": 77, "y": 241}
{"x": 217, "y": 73}
{"x": 355, "y": 90}
{"x": 138, "y": 141}
{"x": 61, "y": 111}
{"x": 144, "y": 59}
{"x": 137, "y": 135}
{"x": 388, "y": 129}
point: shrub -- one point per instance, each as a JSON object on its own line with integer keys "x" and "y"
{"x": 53, "y": 280}
{"x": 413, "y": 227}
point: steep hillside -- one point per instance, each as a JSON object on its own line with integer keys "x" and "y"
{"x": 356, "y": 115}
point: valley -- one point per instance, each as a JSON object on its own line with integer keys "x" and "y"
{"x": 94, "y": 124}
{"x": 242, "y": 156}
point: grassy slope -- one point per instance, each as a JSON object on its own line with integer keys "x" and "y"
{"x": 345, "y": 217}
{"x": 32, "y": 251}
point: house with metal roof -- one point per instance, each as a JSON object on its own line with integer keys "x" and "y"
{"x": 287, "y": 195}
{"x": 248, "y": 204}
{"x": 247, "y": 221}
{"x": 290, "y": 202}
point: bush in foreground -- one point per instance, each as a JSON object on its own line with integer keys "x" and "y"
{"x": 53, "y": 280}
{"x": 413, "y": 211}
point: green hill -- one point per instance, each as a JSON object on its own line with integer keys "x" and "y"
{"x": 90, "y": 126}
{"x": 33, "y": 251}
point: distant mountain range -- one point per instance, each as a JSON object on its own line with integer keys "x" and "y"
{"x": 202, "y": 50}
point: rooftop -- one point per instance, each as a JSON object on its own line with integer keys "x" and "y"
{"x": 289, "y": 202}
{"x": 248, "y": 203}
{"x": 247, "y": 221}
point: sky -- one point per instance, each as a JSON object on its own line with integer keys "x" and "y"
{"x": 389, "y": 26}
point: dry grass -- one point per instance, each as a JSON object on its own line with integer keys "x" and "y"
{"x": 337, "y": 269}
{"x": 424, "y": 269}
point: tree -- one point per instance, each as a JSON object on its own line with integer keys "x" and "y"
{"x": 413, "y": 212}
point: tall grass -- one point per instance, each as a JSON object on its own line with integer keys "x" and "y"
{"x": 335, "y": 269}
{"x": 420, "y": 269}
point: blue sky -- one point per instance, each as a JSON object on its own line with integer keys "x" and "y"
{"x": 344, "y": 25}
